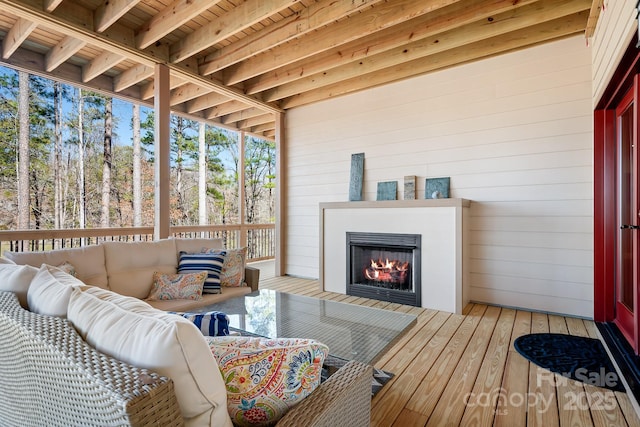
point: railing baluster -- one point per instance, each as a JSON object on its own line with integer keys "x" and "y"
{"x": 260, "y": 238}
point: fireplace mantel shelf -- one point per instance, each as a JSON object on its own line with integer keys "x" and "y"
{"x": 460, "y": 203}
{"x": 441, "y": 223}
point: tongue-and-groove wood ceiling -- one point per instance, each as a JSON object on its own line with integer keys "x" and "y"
{"x": 237, "y": 63}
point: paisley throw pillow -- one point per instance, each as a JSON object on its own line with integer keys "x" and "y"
{"x": 265, "y": 377}
{"x": 177, "y": 286}
{"x": 233, "y": 267}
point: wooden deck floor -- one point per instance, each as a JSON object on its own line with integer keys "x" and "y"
{"x": 462, "y": 370}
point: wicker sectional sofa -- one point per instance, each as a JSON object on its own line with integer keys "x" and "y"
{"x": 56, "y": 370}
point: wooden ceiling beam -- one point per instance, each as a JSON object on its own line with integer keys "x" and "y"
{"x": 51, "y": 5}
{"x": 131, "y": 77}
{"x": 16, "y": 35}
{"x": 419, "y": 28}
{"x": 114, "y": 42}
{"x": 594, "y": 15}
{"x": 247, "y": 124}
{"x": 100, "y": 64}
{"x": 381, "y": 16}
{"x": 237, "y": 19}
{"x": 206, "y": 101}
{"x": 187, "y": 92}
{"x": 270, "y": 134}
{"x": 148, "y": 90}
{"x": 241, "y": 115}
{"x": 34, "y": 63}
{"x": 173, "y": 16}
{"x": 506, "y": 22}
{"x": 526, "y": 37}
{"x": 62, "y": 51}
{"x": 310, "y": 18}
{"x": 264, "y": 127}
{"x": 224, "y": 109}
{"x": 110, "y": 11}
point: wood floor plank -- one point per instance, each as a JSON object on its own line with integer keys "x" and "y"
{"x": 401, "y": 390}
{"x": 408, "y": 418}
{"x": 543, "y": 408}
{"x": 415, "y": 346}
{"x": 430, "y": 390}
{"x": 511, "y": 408}
{"x": 477, "y": 411}
{"x": 407, "y": 347}
{"x": 450, "y": 407}
{"x": 627, "y": 409}
{"x": 604, "y": 407}
{"x": 573, "y": 403}
{"x": 522, "y": 326}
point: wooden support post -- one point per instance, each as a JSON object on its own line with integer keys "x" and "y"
{"x": 242, "y": 189}
{"x": 162, "y": 152}
{"x": 281, "y": 196}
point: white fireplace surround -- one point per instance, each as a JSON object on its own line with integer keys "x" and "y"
{"x": 441, "y": 222}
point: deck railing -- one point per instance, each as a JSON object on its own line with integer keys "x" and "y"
{"x": 258, "y": 238}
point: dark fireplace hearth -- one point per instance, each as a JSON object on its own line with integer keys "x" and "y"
{"x": 384, "y": 266}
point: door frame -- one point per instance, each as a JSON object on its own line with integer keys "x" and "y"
{"x": 605, "y": 178}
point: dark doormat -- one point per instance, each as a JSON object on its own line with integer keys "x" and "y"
{"x": 579, "y": 358}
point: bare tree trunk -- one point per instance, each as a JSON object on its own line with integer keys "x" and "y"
{"x": 38, "y": 196}
{"x": 81, "y": 152}
{"x": 202, "y": 175}
{"x": 106, "y": 164}
{"x": 179, "y": 184}
{"x": 64, "y": 190}
{"x": 137, "y": 169}
{"x": 57, "y": 149}
{"x": 82, "y": 193}
{"x": 23, "y": 152}
{"x": 179, "y": 191}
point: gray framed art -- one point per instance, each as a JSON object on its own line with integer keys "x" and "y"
{"x": 387, "y": 190}
{"x": 437, "y": 188}
{"x": 356, "y": 177}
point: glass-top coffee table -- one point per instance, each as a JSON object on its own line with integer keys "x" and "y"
{"x": 352, "y": 332}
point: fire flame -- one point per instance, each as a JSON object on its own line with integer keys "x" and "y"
{"x": 386, "y": 271}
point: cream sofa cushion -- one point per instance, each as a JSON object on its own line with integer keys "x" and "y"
{"x": 50, "y": 291}
{"x": 17, "y": 279}
{"x": 88, "y": 262}
{"x": 131, "y": 265}
{"x": 134, "y": 332}
{"x": 196, "y": 245}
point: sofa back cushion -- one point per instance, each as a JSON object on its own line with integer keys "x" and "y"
{"x": 88, "y": 262}
{"x": 130, "y": 265}
{"x": 136, "y": 333}
{"x": 17, "y": 279}
{"x": 50, "y": 291}
{"x": 197, "y": 245}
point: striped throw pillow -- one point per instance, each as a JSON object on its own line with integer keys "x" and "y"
{"x": 211, "y": 324}
{"x": 209, "y": 262}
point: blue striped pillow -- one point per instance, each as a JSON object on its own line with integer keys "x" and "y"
{"x": 209, "y": 262}
{"x": 211, "y": 324}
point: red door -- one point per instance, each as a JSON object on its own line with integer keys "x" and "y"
{"x": 628, "y": 217}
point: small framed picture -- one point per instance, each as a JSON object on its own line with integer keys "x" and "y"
{"x": 410, "y": 187}
{"x": 437, "y": 188}
{"x": 387, "y": 190}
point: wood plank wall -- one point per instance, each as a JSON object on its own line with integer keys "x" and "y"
{"x": 514, "y": 133}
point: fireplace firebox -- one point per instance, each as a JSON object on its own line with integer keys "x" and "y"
{"x": 384, "y": 266}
